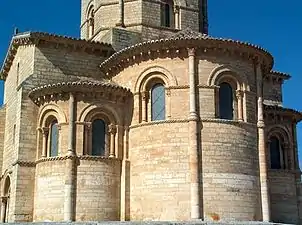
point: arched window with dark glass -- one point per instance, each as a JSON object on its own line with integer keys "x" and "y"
{"x": 167, "y": 13}
{"x": 54, "y": 138}
{"x": 158, "y": 105}
{"x": 226, "y": 101}
{"x": 276, "y": 153}
{"x": 98, "y": 137}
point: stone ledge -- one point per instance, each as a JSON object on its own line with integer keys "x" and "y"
{"x": 151, "y": 223}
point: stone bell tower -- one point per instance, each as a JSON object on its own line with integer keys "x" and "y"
{"x": 142, "y": 19}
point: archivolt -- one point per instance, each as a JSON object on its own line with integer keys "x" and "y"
{"x": 280, "y": 132}
{"x": 109, "y": 114}
{"x": 51, "y": 110}
{"x": 228, "y": 72}
{"x": 154, "y": 72}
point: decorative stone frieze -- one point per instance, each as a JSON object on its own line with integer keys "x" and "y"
{"x": 184, "y": 39}
{"x": 277, "y": 114}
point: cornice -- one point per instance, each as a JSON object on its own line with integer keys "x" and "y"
{"x": 83, "y": 157}
{"x": 188, "y": 86}
{"x": 58, "y": 41}
{"x": 210, "y": 120}
{"x": 278, "y": 114}
{"x": 143, "y": 124}
{"x": 178, "y": 43}
{"x": 277, "y": 76}
{"x": 231, "y": 122}
{"x": 97, "y": 158}
{"x": 24, "y": 163}
{"x": 82, "y": 89}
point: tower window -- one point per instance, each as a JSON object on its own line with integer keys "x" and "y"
{"x": 158, "y": 109}
{"x": 167, "y": 13}
{"x": 98, "y": 137}
{"x": 226, "y": 101}
{"x": 90, "y": 21}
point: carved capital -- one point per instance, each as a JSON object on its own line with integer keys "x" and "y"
{"x": 145, "y": 95}
{"x": 176, "y": 9}
{"x": 168, "y": 92}
{"x": 260, "y": 124}
{"x": 59, "y": 127}
{"x": 126, "y": 129}
{"x": 88, "y": 125}
{"x": 4, "y": 199}
{"x": 112, "y": 129}
{"x": 191, "y": 51}
{"x": 239, "y": 94}
{"x": 45, "y": 131}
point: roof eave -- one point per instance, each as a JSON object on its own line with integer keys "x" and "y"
{"x": 283, "y": 76}
{"x": 144, "y": 46}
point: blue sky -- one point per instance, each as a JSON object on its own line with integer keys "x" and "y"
{"x": 274, "y": 25}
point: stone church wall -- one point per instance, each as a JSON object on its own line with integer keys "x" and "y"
{"x": 49, "y": 191}
{"x": 2, "y": 132}
{"x": 230, "y": 161}
{"x": 98, "y": 190}
{"x": 160, "y": 174}
{"x": 15, "y": 142}
{"x": 272, "y": 92}
{"x": 230, "y": 171}
{"x": 283, "y": 196}
{"x": 13, "y": 103}
{"x": 56, "y": 65}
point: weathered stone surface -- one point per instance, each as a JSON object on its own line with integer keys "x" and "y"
{"x": 191, "y": 165}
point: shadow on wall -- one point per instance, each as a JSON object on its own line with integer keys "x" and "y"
{"x": 1, "y": 92}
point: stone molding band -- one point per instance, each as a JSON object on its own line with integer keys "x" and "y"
{"x": 62, "y": 158}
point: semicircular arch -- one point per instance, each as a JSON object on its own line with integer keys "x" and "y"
{"x": 6, "y": 185}
{"x": 51, "y": 110}
{"x": 92, "y": 111}
{"x": 280, "y": 132}
{"x": 221, "y": 73}
{"x": 154, "y": 72}
{"x": 89, "y": 7}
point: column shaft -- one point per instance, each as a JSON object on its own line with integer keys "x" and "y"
{"x": 144, "y": 106}
{"x": 3, "y": 209}
{"x": 112, "y": 131}
{"x": 193, "y": 137}
{"x": 71, "y": 127}
{"x": 69, "y": 202}
{"x": 261, "y": 149}
{"x": 176, "y": 17}
{"x": 45, "y": 131}
{"x": 240, "y": 105}
{"x": 125, "y": 178}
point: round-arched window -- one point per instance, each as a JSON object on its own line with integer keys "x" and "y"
{"x": 226, "y": 101}
{"x": 158, "y": 108}
{"x": 54, "y": 138}
{"x": 276, "y": 153}
{"x": 98, "y": 137}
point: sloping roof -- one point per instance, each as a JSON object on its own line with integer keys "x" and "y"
{"x": 187, "y": 34}
{"x": 27, "y": 38}
{"x": 280, "y": 75}
{"x": 189, "y": 38}
{"x": 38, "y": 94}
{"x": 276, "y": 108}
{"x": 74, "y": 85}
